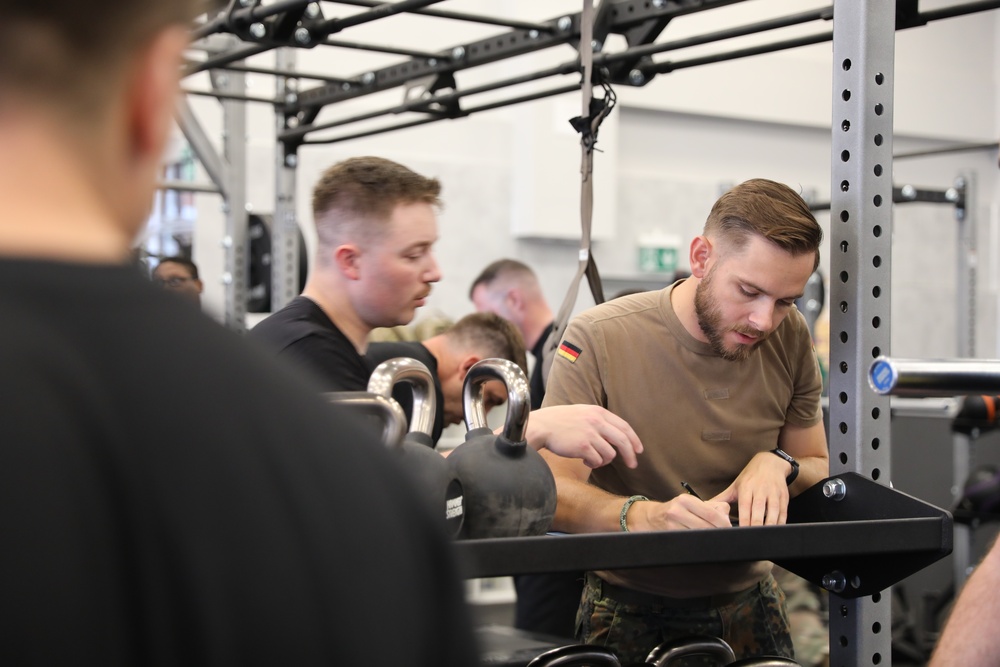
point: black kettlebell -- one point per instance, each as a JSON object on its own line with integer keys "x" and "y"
{"x": 434, "y": 475}
{"x": 387, "y": 410}
{"x": 509, "y": 489}
{"x": 576, "y": 654}
{"x": 668, "y": 652}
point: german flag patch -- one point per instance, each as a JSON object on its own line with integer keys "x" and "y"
{"x": 569, "y": 351}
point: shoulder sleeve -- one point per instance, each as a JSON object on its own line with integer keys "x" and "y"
{"x": 576, "y": 376}
{"x": 805, "y": 409}
{"x": 336, "y": 368}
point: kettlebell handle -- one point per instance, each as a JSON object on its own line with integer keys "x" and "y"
{"x": 518, "y": 396}
{"x": 392, "y": 416}
{"x": 403, "y": 369}
{"x": 670, "y": 651}
{"x": 576, "y": 654}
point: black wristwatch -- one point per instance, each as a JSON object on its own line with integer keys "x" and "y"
{"x": 795, "y": 465}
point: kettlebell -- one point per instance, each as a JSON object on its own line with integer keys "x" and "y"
{"x": 668, "y": 652}
{"x": 576, "y": 654}
{"x": 509, "y": 489}
{"x": 387, "y": 410}
{"x": 434, "y": 476}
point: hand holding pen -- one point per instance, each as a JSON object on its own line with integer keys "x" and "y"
{"x": 691, "y": 491}
{"x": 687, "y": 487}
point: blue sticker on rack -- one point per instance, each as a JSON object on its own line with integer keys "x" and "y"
{"x": 882, "y": 376}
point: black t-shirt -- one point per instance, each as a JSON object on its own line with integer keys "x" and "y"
{"x": 302, "y": 334}
{"x": 379, "y": 352}
{"x": 171, "y": 496}
{"x": 536, "y": 383}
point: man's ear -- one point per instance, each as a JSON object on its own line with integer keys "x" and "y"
{"x": 347, "y": 258}
{"x": 467, "y": 362}
{"x": 152, "y": 89}
{"x": 699, "y": 255}
{"x": 514, "y": 300}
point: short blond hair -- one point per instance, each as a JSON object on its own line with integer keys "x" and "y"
{"x": 355, "y": 198}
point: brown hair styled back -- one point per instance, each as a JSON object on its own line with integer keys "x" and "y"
{"x": 490, "y": 336}
{"x": 67, "y": 53}
{"x": 353, "y": 198}
{"x": 767, "y": 209}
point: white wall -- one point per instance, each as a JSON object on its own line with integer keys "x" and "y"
{"x": 676, "y": 142}
{"x": 717, "y": 151}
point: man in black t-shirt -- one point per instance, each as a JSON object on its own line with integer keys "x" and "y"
{"x": 376, "y": 226}
{"x": 256, "y": 525}
{"x": 303, "y": 334}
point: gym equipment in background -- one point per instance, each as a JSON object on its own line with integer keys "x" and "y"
{"x": 435, "y": 477}
{"x": 260, "y": 259}
{"x": 509, "y": 489}
{"x": 923, "y": 378}
{"x": 813, "y": 298}
{"x": 385, "y": 409}
{"x": 713, "y": 650}
{"x": 577, "y": 654}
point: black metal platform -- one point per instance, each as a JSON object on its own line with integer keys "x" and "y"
{"x": 870, "y": 539}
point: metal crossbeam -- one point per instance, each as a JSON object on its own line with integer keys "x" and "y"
{"x": 297, "y": 23}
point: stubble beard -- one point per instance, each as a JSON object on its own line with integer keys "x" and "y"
{"x": 709, "y": 314}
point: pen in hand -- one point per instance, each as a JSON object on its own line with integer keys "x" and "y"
{"x": 687, "y": 487}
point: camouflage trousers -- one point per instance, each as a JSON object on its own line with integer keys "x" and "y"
{"x": 808, "y": 616}
{"x": 753, "y": 623}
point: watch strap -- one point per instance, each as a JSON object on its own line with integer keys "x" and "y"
{"x": 780, "y": 453}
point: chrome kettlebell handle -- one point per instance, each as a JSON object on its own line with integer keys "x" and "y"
{"x": 392, "y": 416}
{"x": 577, "y": 654}
{"x": 668, "y": 652}
{"x": 403, "y": 369}
{"x": 518, "y": 397}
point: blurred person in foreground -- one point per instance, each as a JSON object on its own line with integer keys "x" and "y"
{"x": 255, "y": 526}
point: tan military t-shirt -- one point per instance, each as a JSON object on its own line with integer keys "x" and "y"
{"x": 700, "y": 417}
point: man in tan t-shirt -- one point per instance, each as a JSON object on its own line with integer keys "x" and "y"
{"x": 718, "y": 377}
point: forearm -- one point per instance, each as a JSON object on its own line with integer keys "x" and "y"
{"x": 969, "y": 636}
{"x": 812, "y": 469}
{"x": 808, "y": 446}
{"x": 584, "y": 508}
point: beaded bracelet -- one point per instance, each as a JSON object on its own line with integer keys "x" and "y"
{"x": 628, "y": 503}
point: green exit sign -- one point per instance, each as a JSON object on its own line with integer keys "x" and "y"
{"x": 657, "y": 260}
